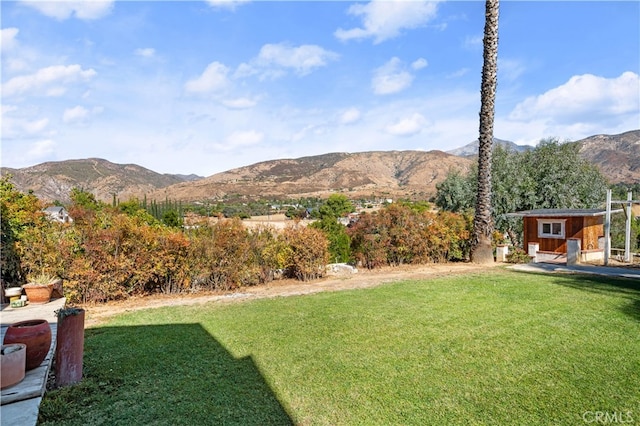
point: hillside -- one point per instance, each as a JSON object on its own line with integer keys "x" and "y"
{"x": 471, "y": 149}
{"x": 388, "y": 174}
{"x": 383, "y": 174}
{"x": 617, "y": 156}
{"x": 54, "y": 180}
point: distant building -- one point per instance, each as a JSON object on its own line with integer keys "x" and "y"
{"x": 59, "y": 214}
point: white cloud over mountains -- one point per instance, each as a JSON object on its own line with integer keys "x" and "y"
{"x": 213, "y": 79}
{"x": 583, "y": 97}
{"x": 392, "y": 77}
{"x": 408, "y": 126}
{"x": 383, "y": 20}
{"x": 50, "y": 81}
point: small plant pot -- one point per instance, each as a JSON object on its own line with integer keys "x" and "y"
{"x": 12, "y": 364}
{"x": 36, "y": 334}
{"x": 38, "y": 293}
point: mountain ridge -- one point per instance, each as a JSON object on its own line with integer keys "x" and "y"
{"x": 388, "y": 174}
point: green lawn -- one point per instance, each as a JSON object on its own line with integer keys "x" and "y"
{"x": 496, "y": 348}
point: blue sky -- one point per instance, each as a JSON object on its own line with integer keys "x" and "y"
{"x": 206, "y": 86}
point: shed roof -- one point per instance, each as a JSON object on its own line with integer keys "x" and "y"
{"x": 562, "y": 212}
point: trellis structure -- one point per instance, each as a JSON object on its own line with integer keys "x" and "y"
{"x": 626, "y": 205}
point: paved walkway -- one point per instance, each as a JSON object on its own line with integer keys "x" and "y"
{"x": 579, "y": 269}
{"x": 20, "y": 403}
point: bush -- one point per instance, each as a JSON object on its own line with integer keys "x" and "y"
{"x": 518, "y": 255}
{"x": 221, "y": 256}
{"x": 308, "y": 252}
{"x": 399, "y": 234}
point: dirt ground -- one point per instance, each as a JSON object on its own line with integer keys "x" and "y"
{"x": 96, "y": 314}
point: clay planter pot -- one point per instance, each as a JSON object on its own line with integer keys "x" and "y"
{"x": 12, "y": 364}
{"x": 36, "y": 334}
{"x": 38, "y": 293}
{"x": 69, "y": 346}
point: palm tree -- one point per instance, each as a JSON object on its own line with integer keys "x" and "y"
{"x": 481, "y": 251}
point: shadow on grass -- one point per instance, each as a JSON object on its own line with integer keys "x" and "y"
{"x": 163, "y": 374}
{"x": 625, "y": 288}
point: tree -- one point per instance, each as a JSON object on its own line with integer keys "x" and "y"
{"x": 552, "y": 175}
{"x": 561, "y": 178}
{"x": 337, "y": 205}
{"x": 456, "y": 193}
{"x": 482, "y": 251}
{"x": 85, "y": 199}
{"x": 172, "y": 219}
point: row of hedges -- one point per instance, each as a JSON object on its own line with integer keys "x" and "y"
{"x": 108, "y": 254}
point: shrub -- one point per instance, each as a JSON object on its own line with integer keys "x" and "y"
{"x": 221, "y": 256}
{"x": 308, "y": 252}
{"x": 399, "y": 234}
{"x": 518, "y": 255}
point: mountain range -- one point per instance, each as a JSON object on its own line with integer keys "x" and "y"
{"x": 386, "y": 174}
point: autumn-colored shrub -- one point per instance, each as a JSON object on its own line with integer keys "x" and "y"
{"x": 399, "y": 234}
{"x": 222, "y": 257}
{"x": 308, "y": 252}
{"x": 270, "y": 253}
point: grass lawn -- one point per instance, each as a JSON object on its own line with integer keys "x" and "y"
{"x": 499, "y": 348}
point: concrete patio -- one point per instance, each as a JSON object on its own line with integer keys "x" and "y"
{"x": 20, "y": 403}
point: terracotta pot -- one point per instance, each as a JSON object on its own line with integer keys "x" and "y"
{"x": 12, "y": 365}
{"x": 69, "y": 348}
{"x": 38, "y": 293}
{"x": 36, "y": 334}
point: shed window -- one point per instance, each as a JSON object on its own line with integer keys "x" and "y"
{"x": 551, "y": 228}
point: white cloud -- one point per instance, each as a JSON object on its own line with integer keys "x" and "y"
{"x": 8, "y": 108}
{"x": 274, "y": 59}
{"x": 240, "y": 139}
{"x": 459, "y": 73}
{"x": 50, "y": 80}
{"x": 384, "y": 20}
{"x": 240, "y": 103}
{"x": 510, "y": 69}
{"x": 147, "y": 52}
{"x": 391, "y": 78}
{"x": 227, "y": 4}
{"x": 473, "y": 42}
{"x": 213, "y": 79}
{"x": 350, "y": 116}
{"x": 41, "y": 149}
{"x": 81, "y": 9}
{"x": 18, "y": 125}
{"x": 75, "y": 114}
{"x": 583, "y": 98}
{"x": 8, "y": 38}
{"x": 420, "y": 63}
{"x": 407, "y": 126}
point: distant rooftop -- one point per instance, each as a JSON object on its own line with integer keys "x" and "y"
{"x": 562, "y": 212}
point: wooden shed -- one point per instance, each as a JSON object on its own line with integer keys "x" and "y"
{"x": 550, "y": 229}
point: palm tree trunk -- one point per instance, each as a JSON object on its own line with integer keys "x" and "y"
{"x": 481, "y": 251}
